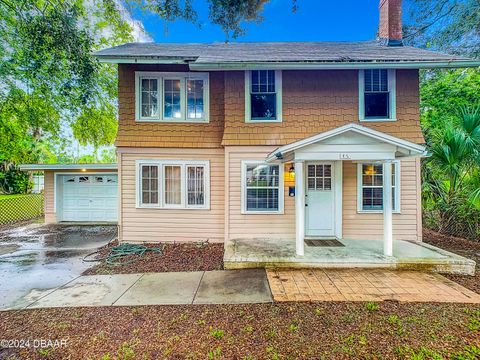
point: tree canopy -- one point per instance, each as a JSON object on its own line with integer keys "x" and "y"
{"x": 50, "y": 79}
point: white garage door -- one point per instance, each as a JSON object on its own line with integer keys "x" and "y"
{"x": 92, "y": 197}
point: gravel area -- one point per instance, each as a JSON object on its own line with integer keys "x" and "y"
{"x": 174, "y": 257}
{"x": 467, "y": 248}
{"x": 262, "y": 331}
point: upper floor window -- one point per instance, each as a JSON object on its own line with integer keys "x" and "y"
{"x": 377, "y": 95}
{"x": 263, "y": 95}
{"x": 171, "y": 97}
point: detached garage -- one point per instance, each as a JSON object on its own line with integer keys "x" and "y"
{"x": 79, "y": 192}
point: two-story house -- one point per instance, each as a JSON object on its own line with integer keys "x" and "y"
{"x": 279, "y": 141}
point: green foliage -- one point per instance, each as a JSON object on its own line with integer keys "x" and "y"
{"x": 444, "y": 92}
{"x": 451, "y": 186}
{"x": 217, "y": 333}
{"x": 14, "y": 181}
{"x": 86, "y": 129}
{"x": 371, "y": 306}
{"x": 51, "y": 81}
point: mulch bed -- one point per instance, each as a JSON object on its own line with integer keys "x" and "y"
{"x": 467, "y": 248}
{"x": 258, "y": 331}
{"x": 174, "y": 257}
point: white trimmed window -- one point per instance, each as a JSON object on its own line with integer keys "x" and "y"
{"x": 149, "y": 185}
{"x": 171, "y": 97}
{"x": 377, "y": 98}
{"x": 173, "y": 184}
{"x": 262, "y": 188}
{"x": 370, "y": 187}
{"x": 263, "y": 96}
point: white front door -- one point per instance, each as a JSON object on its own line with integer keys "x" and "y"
{"x": 320, "y": 200}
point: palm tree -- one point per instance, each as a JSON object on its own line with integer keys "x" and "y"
{"x": 451, "y": 185}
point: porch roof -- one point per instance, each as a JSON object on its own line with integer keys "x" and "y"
{"x": 349, "y": 142}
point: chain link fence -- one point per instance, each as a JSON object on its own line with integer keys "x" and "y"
{"x": 461, "y": 225}
{"x": 14, "y": 208}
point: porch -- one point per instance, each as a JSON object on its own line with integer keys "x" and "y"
{"x": 281, "y": 253}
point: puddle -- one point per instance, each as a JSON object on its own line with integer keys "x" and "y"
{"x": 35, "y": 257}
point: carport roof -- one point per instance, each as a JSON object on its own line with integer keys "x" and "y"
{"x": 41, "y": 167}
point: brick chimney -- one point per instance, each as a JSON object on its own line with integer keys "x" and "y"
{"x": 390, "y": 28}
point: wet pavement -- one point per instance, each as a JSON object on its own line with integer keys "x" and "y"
{"x": 38, "y": 258}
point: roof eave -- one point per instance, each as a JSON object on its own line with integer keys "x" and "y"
{"x": 333, "y": 65}
{"x": 143, "y": 60}
{"x": 412, "y": 148}
{"x": 43, "y": 167}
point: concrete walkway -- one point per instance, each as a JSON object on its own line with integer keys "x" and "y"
{"x": 199, "y": 287}
{"x": 366, "y": 285}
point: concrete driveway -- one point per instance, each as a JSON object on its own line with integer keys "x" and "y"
{"x": 37, "y": 257}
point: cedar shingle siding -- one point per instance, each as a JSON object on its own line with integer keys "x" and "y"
{"x": 167, "y": 134}
{"x": 313, "y": 101}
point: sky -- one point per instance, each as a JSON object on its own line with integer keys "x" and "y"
{"x": 315, "y": 20}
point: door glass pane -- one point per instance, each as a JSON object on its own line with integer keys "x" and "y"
{"x": 173, "y": 181}
{"x": 319, "y": 177}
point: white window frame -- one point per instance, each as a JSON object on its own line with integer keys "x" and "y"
{"x": 161, "y": 184}
{"x": 183, "y": 77}
{"x": 392, "y": 89}
{"x": 278, "y": 91}
{"x": 140, "y": 186}
{"x": 281, "y": 189}
{"x": 138, "y": 96}
{"x": 397, "y": 205}
{"x": 183, "y": 100}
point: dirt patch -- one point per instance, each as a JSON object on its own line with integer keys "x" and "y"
{"x": 259, "y": 331}
{"x": 467, "y": 248}
{"x": 174, "y": 257}
{"x": 12, "y": 226}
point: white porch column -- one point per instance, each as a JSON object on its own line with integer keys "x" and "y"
{"x": 299, "y": 208}
{"x": 387, "y": 209}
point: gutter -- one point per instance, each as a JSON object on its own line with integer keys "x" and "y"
{"x": 142, "y": 60}
{"x": 334, "y": 65}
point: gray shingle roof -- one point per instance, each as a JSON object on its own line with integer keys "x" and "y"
{"x": 267, "y": 52}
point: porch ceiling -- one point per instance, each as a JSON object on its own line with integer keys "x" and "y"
{"x": 349, "y": 142}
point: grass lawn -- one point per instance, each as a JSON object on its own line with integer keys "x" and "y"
{"x": 262, "y": 331}
{"x": 15, "y": 196}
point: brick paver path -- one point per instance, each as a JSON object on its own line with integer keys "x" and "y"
{"x": 365, "y": 285}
